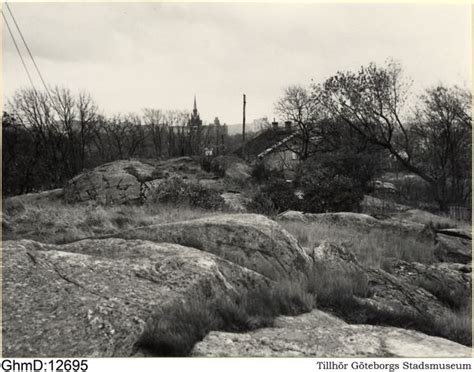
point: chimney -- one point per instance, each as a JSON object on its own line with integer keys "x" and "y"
{"x": 275, "y": 124}
{"x": 288, "y": 125}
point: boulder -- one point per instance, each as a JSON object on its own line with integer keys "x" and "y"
{"x": 290, "y": 215}
{"x": 112, "y": 183}
{"x": 453, "y": 246}
{"x": 249, "y": 240}
{"x": 382, "y": 186}
{"x": 317, "y": 334}
{"x": 382, "y": 206}
{"x": 93, "y": 298}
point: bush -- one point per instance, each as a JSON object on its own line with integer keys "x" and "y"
{"x": 262, "y": 204}
{"x": 282, "y": 194}
{"x": 275, "y": 196}
{"x": 175, "y": 190}
{"x": 221, "y": 163}
{"x": 335, "y": 182}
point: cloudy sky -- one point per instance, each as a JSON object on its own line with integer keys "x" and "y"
{"x": 130, "y": 55}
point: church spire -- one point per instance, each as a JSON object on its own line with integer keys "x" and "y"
{"x": 195, "y": 120}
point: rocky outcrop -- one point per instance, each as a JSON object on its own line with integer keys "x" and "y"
{"x": 125, "y": 181}
{"x": 450, "y": 282}
{"x": 391, "y": 295}
{"x": 453, "y": 245}
{"x": 294, "y": 216}
{"x": 112, "y": 183}
{"x": 317, "y": 334}
{"x": 357, "y": 220}
{"x": 93, "y": 298}
{"x": 185, "y": 167}
{"x": 378, "y": 205}
{"x": 249, "y": 240}
{"x": 460, "y": 233}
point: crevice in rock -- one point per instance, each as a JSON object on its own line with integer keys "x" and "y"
{"x": 71, "y": 281}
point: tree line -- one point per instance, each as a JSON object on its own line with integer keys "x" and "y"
{"x": 50, "y": 136}
{"x": 351, "y": 121}
{"x": 428, "y": 134}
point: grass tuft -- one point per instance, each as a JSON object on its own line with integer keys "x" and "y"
{"x": 174, "y": 330}
{"x": 372, "y": 248}
{"x": 58, "y": 223}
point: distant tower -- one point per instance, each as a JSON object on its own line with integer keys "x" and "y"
{"x": 195, "y": 128}
{"x": 195, "y": 121}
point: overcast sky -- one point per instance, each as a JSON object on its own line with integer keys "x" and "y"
{"x": 130, "y": 55}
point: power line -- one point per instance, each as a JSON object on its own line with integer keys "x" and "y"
{"x": 28, "y": 49}
{"x": 19, "y": 52}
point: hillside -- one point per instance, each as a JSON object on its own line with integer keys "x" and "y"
{"x": 106, "y": 267}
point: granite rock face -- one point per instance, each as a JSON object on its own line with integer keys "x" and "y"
{"x": 112, "y": 183}
{"x": 317, "y": 334}
{"x": 93, "y": 298}
{"x": 453, "y": 245}
{"x": 396, "y": 296}
{"x": 249, "y": 240}
{"x": 361, "y": 221}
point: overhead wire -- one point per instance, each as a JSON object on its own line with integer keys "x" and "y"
{"x": 18, "y": 51}
{"x": 29, "y": 51}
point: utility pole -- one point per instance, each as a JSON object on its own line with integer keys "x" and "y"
{"x": 243, "y": 130}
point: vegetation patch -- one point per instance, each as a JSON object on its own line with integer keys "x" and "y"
{"x": 173, "y": 331}
{"x": 372, "y": 248}
{"x": 58, "y": 223}
{"x": 176, "y": 191}
{"x": 338, "y": 291}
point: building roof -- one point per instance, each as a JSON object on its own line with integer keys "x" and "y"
{"x": 266, "y": 142}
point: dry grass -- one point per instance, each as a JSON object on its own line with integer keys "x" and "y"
{"x": 57, "y": 222}
{"x": 173, "y": 331}
{"x": 434, "y": 220}
{"x": 456, "y": 325}
{"x": 372, "y": 248}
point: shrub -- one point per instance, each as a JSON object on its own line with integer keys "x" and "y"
{"x": 262, "y": 204}
{"x": 205, "y": 198}
{"x": 275, "y": 196}
{"x": 175, "y": 190}
{"x": 282, "y": 194}
{"x": 221, "y": 163}
{"x": 335, "y": 182}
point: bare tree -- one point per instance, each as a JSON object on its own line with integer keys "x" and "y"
{"x": 442, "y": 137}
{"x": 373, "y": 102}
{"x": 34, "y": 111}
{"x": 157, "y": 127}
{"x": 300, "y": 107}
{"x": 87, "y": 117}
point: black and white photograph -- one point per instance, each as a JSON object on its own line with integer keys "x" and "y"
{"x": 208, "y": 180}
